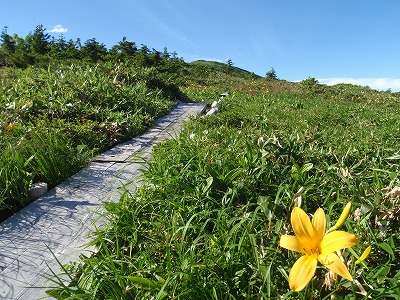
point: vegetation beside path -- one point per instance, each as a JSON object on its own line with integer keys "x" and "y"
{"x": 216, "y": 200}
{"x": 63, "y": 102}
{"x": 222, "y": 203}
{"x": 56, "y": 119}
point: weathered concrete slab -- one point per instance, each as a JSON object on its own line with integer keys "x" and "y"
{"x": 62, "y": 218}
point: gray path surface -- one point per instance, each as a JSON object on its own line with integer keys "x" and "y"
{"x": 62, "y": 218}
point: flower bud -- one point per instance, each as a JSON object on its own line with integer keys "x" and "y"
{"x": 342, "y": 218}
{"x": 364, "y": 255}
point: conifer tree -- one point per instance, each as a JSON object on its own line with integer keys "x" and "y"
{"x": 7, "y": 41}
{"x": 39, "y": 41}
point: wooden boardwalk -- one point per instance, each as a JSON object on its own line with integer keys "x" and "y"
{"x": 62, "y": 218}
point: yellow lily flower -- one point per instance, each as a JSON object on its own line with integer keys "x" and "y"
{"x": 316, "y": 246}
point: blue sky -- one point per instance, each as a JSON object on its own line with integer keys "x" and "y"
{"x": 334, "y": 41}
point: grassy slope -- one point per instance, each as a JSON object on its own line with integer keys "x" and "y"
{"x": 207, "y": 221}
{"x": 53, "y": 120}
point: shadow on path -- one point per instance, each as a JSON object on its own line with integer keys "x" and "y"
{"x": 62, "y": 218}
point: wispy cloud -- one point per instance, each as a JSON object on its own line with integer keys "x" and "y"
{"x": 374, "y": 83}
{"x": 59, "y": 29}
{"x": 164, "y": 25}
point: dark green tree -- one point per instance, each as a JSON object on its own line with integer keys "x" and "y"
{"x": 127, "y": 48}
{"x": 39, "y": 41}
{"x": 61, "y": 43}
{"x": 21, "y": 58}
{"x": 123, "y": 50}
{"x": 58, "y": 47}
{"x": 72, "y": 49}
{"x": 78, "y": 44}
{"x": 93, "y": 51}
{"x": 174, "y": 55}
{"x": 154, "y": 57}
{"x": 7, "y": 48}
{"x": 230, "y": 65}
{"x": 165, "y": 53}
{"x": 142, "y": 56}
{"x": 271, "y": 74}
{"x": 7, "y": 41}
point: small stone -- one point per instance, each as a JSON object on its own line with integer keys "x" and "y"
{"x": 37, "y": 190}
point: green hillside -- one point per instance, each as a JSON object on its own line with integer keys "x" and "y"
{"x": 224, "y": 68}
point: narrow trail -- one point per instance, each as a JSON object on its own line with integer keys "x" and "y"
{"x": 62, "y": 218}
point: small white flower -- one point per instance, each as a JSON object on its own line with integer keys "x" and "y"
{"x": 260, "y": 141}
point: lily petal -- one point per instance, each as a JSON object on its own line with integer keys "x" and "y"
{"x": 292, "y": 243}
{"x": 302, "y": 272}
{"x": 337, "y": 240}
{"x": 303, "y": 228}
{"x": 319, "y": 224}
{"x": 334, "y": 263}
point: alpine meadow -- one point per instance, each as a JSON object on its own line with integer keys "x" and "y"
{"x": 290, "y": 191}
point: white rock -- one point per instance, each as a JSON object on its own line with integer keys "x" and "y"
{"x": 37, "y": 190}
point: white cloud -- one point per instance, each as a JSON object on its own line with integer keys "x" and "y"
{"x": 374, "y": 83}
{"x": 59, "y": 29}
